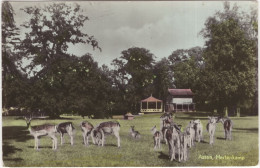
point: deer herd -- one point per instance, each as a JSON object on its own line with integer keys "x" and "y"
{"x": 177, "y": 139}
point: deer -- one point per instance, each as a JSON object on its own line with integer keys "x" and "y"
{"x": 156, "y": 138}
{"x": 63, "y": 128}
{"x": 184, "y": 141}
{"x": 86, "y": 128}
{"x": 134, "y": 134}
{"x": 228, "y": 124}
{"x": 42, "y": 130}
{"x": 191, "y": 131}
{"x": 198, "y": 130}
{"x": 211, "y": 127}
{"x": 166, "y": 121}
{"x": 174, "y": 143}
{"x": 109, "y": 127}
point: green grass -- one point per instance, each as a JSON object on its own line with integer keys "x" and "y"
{"x": 18, "y": 145}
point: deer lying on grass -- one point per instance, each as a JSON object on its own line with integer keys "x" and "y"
{"x": 156, "y": 138}
{"x": 191, "y": 132}
{"x": 228, "y": 125}
{"x": 63, "y": 128}
{"x": 86, "y": 128}
{"x": 42, "y": 130}
{"x": 110, "y": 127}
{"x": 211, "y": 127}
{"x": 174, "y": 143}
{"x": 134, "y": 134}
{"x": 198, "y": 130}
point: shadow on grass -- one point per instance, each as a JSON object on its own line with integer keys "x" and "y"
{"x": 109, "y": 145}
{"x": 41, "y": 147}
{"x": 9, "y": 149}
{"x": 17, "y": 133}
{"x": 163, "y": 156}
{"x": 221, "y": 138}
{"x": 202, "y": 141}
{"x": 250, "y": 130}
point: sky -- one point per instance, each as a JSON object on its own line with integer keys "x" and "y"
{"x": 159, "y": 26}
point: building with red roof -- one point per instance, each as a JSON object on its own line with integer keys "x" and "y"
{"x": 180, "y": 100}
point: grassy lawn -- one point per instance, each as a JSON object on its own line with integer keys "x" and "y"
{"x": 18, "y": 145}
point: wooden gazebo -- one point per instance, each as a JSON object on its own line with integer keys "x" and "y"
{"x": 151, "y": 105}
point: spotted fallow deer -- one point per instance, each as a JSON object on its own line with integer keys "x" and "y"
{"x": 105, "y": 128}
{"x": 86, "y": 128}
{"x": 66, "y": 128}
{"x": 133, "y": 133}
{"x": 42, "y": 130}
{"x": 174, "y": 143}
{"x": 228, "y": 125}
{"x": 156, "y": 138}
{"x": 211, "y": 127}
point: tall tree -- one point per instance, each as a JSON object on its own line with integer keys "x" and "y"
{"x": 230, "y": 58}
{"x": 163, "y": 79}
{"x": 14, "y": 81}
{"x": 52, "y": 29}
{"x": 134, "y": 72}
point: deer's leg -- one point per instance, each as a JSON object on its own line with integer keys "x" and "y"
{"x": 92, "y": 137}
{"x": 71, "y": 137}
{"x": 159, "y": 143}
{"x": 54, "y": 141}
{"x": 36, "y": 142}
{"x": 173, "y": 152}
{"x": 88, "y": 134}
{"x": 199, "y": 136}
{"x": 84, "y": 138}
{"x": 61, "y": 138}
{"x": 179, "y": 152}
{"x": 118, "y": 138}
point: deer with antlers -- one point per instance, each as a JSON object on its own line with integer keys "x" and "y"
{"x": 42, "y": 130}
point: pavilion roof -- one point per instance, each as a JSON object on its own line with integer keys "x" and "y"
{"x": 151, "y": 99}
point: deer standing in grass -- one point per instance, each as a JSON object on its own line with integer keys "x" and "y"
{"x": 198, "y": 130}
{"x": 63, "y": 128}
{"x": 174, "y": 143}
{"x": 134, "y": 134}
{"x": 211, "y": 127}
{"x": 184, "y": 141}
{"x": 42, "y": 130}
{"x": 156, "y": 138}
{"x": 228, "y": 125}
{"x": 110, "y": 127}
{"x": 191, "y": 131}
{"x": 86, "y": 128}
{"x": 165, "y": 121}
